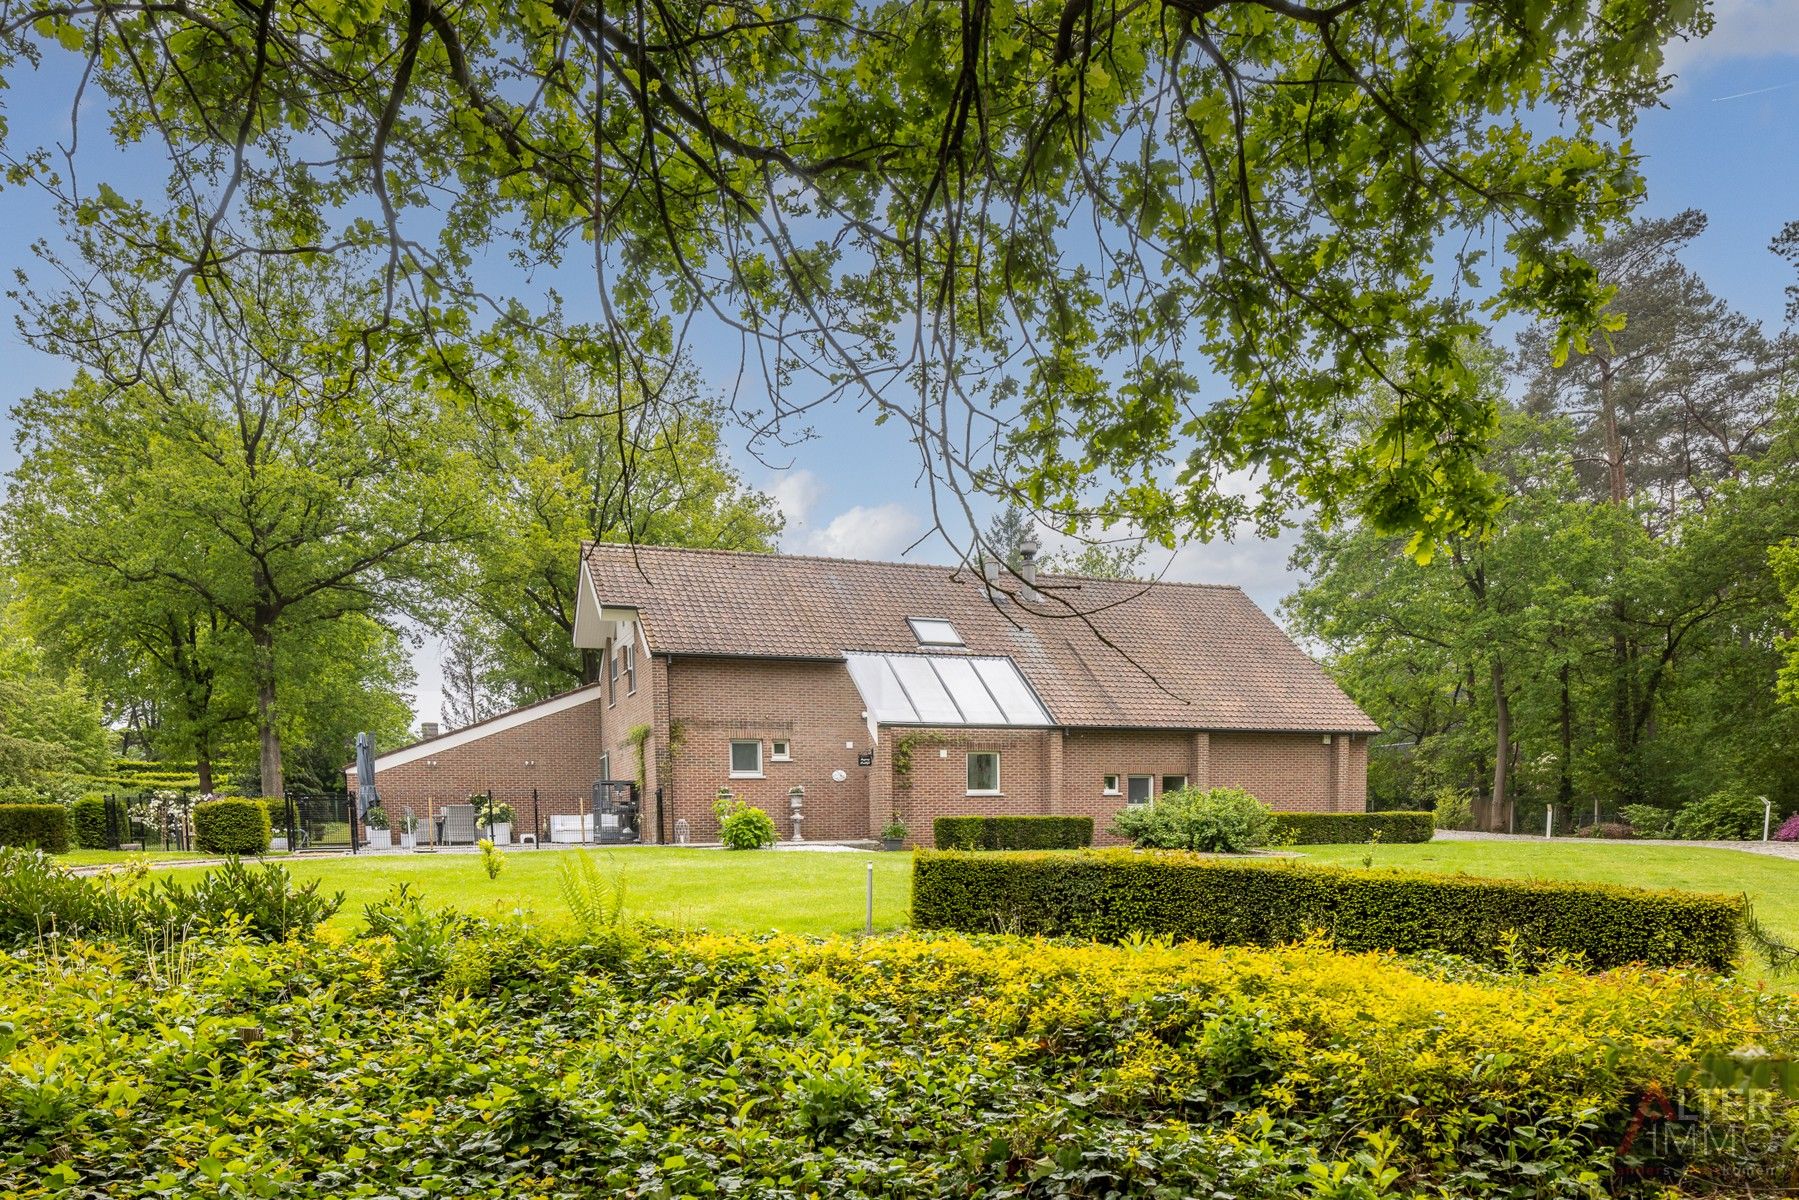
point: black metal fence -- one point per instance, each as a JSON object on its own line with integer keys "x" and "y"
{"x": 317, "y": 821}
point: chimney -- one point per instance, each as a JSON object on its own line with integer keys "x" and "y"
{"x": 427, "y": 730}
{"x": 990, "y": 569}
{"x": 1027, "y": 565}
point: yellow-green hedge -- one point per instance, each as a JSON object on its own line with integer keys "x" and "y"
{"x": 1110, "y": 895}
{"x": 1318, "y": 829}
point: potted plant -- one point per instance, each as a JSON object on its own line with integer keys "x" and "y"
{"x": 408, "y": 830}
{"x": 376, "y": 831}
{"x": 893, "y": 834}
{"x": 494, "y": 819}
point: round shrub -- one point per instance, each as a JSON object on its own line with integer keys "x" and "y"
{"x": 740, "y": 826}
{"x": 1789, "y": 830}
{"x": 87, "y": 819}
{"x": 1222, "y": 820}
{"x": 231, "y": 827}
{"x": 35, "y": 826}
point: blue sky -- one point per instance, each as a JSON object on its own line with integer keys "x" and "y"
{"x": 1727, "y": 143}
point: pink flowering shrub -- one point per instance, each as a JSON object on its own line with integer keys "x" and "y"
{"x": 1789, "y": 830}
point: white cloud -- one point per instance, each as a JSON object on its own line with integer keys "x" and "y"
{"x": 881, "y": 531}
{"x": 1745, "y": 29}
{"x": 796, "y": 492}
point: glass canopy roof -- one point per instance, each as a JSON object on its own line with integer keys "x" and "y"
{"x": 931, "y": 689}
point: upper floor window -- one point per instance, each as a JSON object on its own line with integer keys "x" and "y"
{"x": 630, "y": 670}
{"x": 934, "y": 631}
{"x": 612, "y": 678}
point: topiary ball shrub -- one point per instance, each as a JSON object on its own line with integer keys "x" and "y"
{"x": 1221, "y": 820}
{"x": 1789, "y": 830}
{"x": 231, "y": 827}
{"x": 35, "y": 827}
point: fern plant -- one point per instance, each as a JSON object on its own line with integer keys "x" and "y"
{"x": 596, "y": 900}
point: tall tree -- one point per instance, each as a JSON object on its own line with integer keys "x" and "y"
{"x": 228, "y": 472}
{"x": 1670, "y": 406}
{"x": 1014, "y": 229}
{"x": 580, "y": 461}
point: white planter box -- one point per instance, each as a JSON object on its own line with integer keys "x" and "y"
{"x": 278, "y": 844}
{"x": 501, "y": 835}
{"x": 378, "y": 839}
{"x": 408, "y": 841}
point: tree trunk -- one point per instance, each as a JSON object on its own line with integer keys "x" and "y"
{"x": 263, "y": 638}
{"x": 203, "y": 762}
{"x": 1614, "y": 441}
{"x": 1565, "y": 788}
{"x": 1502, "y": 753}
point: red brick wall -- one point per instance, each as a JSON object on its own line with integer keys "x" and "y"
{"x": 565, "y": 747}
{"x": 936, "y": 785}
{"x": 1294, "y": 770}
{"x": 812, "y": 705}
{"x": 622, "y": 713}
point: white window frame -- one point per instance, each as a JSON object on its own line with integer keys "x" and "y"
{"x": 1108, "y": 785}
{"x": 732, "y": 761}
{"x": 914, "y": 622}
{"x": 611, "y": 676}
{"x": 605, "y": 765}
{"x": 968, "y": 768}
{"x": 780, "y": 750}
{"x": 1149, "y": 798}
{"x": 1166, "y": 789}
{"x": 630, "y": 670}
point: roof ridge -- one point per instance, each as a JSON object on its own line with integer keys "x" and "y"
{"x": 962, "y": 568}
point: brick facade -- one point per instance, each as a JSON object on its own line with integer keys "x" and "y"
{"x": 557, "y": 755}
{"x": 917, "y": 774}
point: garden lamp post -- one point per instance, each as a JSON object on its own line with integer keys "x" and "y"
{"x": 1767, "y": 816}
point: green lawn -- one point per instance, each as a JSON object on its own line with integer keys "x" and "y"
{"x": 817, "y": 892}
{"x": 792, "y": 891}
{"x": 100, "y": 858}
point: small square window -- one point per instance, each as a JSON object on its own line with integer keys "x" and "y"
{"x": 746, "y": 759}
{"x": 1173, "y": 783}
{"x": 1109, "y": 786}
{"x": 1140, "y": 789}
{"x": 779, "y": 751}
{"x": 983, "y": 773}
{"x": 934, "y": 631}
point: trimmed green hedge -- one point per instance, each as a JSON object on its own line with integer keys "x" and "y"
{"x": 1012, "y": 833}
{"x": 43, "y": 826}
{"x": 1110, "y": 895}
{"x": 1315, "y": 829}
{"x": 231, "y": 827}
{"x": 87, "y": 819}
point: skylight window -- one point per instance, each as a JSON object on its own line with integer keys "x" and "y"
{"x": 934, "y": 631}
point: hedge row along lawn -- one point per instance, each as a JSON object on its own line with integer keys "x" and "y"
{"x": 458, "y": 1056}
{"x": 1319, "y": 829}
{"x": 1116, "y": 894}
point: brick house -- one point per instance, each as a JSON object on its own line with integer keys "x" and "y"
{"x": 903, "y": 690}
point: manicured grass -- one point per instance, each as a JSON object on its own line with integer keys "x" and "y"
{"x": 811, "y": 892}
{"x": 1772, "y": 884}
{"x": 97, "y": 858}
{"x": 821, "y": 892}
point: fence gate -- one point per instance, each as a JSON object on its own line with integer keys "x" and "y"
{"x": 616, "y": 811}
{"x": 320, "y": 821}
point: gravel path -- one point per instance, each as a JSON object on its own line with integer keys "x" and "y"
{"x": 1788, "y": 850}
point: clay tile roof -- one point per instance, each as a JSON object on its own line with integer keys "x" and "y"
{"x": 1167, "y": 655}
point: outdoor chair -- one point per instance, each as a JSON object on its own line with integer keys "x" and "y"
{"x": 459, "y": 824}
